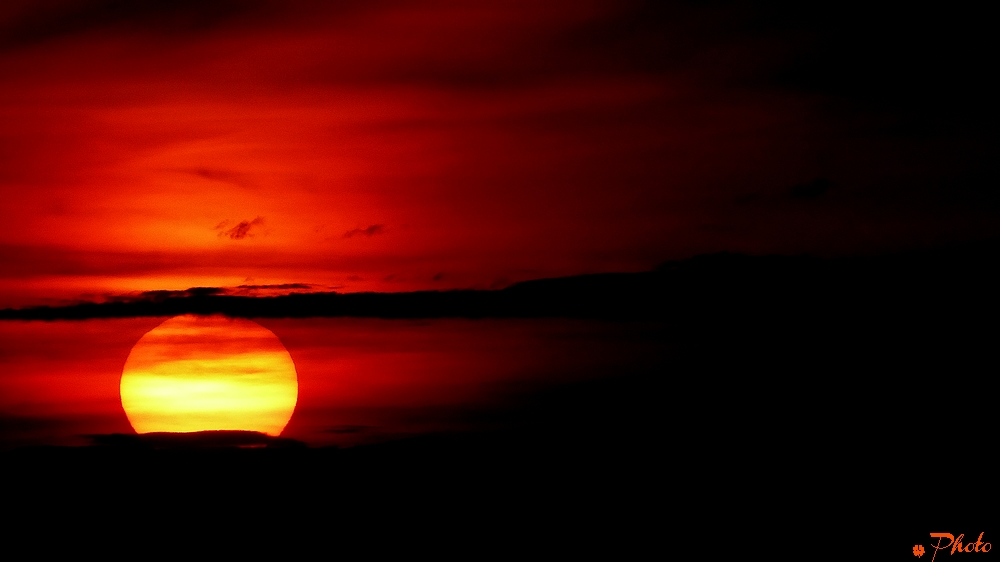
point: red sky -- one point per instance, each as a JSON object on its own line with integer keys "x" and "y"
{"x": 359, "y": 380}
{"x": 420, "y": 145}
{"x": 161, "y": 145}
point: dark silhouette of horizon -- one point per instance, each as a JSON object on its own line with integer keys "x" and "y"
{"x": 724, "y": 283}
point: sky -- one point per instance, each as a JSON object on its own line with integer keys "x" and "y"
{"x": 262, "y": 147}
{"x": 360, "y": 380}
{"x": 398, "y": 146}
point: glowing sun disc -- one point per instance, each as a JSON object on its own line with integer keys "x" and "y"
{"x": 198, "y": 373}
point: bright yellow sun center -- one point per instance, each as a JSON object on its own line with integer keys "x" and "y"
{"x": 197, "y": 373}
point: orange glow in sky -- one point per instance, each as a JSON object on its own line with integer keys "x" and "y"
{"x": 437, "y": 145}
{"x": 195, "y": 373}
{"x": 363, "y": 149}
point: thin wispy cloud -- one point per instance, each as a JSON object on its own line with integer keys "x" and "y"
{"x": 240, "y": 231}
{"x": 367, "y": 232}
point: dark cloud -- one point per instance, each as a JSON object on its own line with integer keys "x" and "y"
{"x": 241, "y": 230}
{"x": 277, "y": 290}
{"x": 500, "y": 283}
{"x": 10, "y": 425}
{"x": 192, "y": 292}
{"x": 41, "y": 21}
{"x": 279, "y": 286}
{"x": 162, "y": 295}
{"x": 810, "y": 190}
{"x": 64, "y": 429}
{"x": 348, "y": 429}
{"x": 923, "y": 63}
{"x": 227, "y": 176}
{"x": 196, "y": 292}
{"x": 369, "y": 232}
{"x": 734, "y": 283}
{"x": 197, "y": 440}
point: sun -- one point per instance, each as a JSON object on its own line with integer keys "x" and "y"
{"x": 198, "y": 373}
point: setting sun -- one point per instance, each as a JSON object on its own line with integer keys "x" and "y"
{"x": 196, "y": 373}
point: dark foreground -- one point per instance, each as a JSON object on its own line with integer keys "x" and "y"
{"x": 842, "y": 420}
